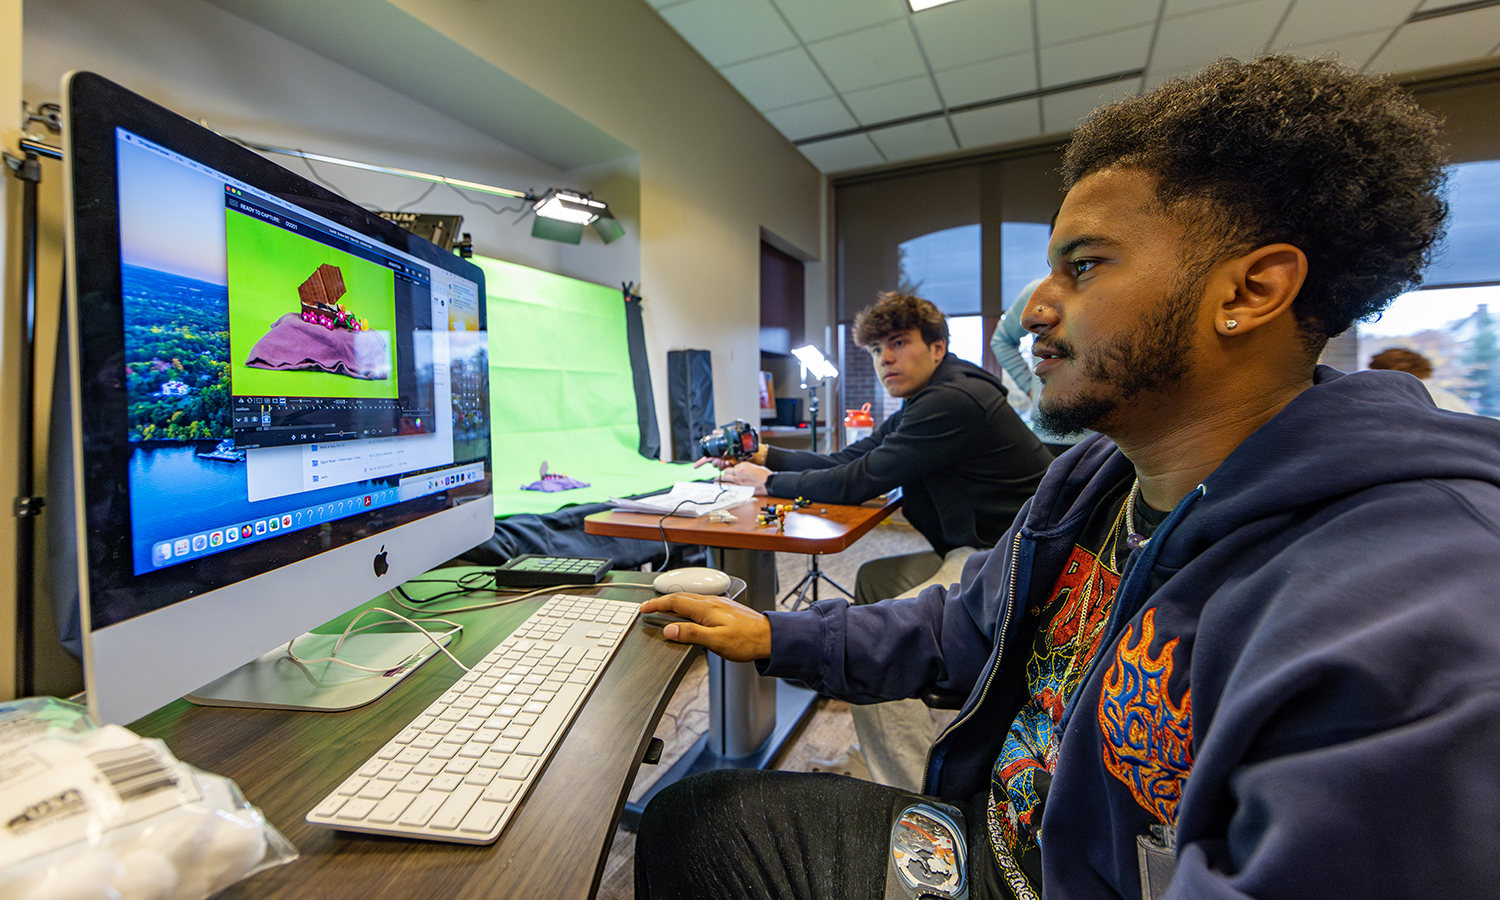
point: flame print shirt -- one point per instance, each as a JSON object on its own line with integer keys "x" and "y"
{"x": 1065, "y": 635}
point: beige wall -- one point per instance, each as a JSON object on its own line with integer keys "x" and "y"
{"x": 713, "y": 172}
{"x": 242, "y": 80}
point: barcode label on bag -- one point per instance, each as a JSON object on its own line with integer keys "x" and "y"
{"x": 134, "y": 771}
{"x": 64, "y": 791}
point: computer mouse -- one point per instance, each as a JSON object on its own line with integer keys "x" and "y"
{"x": 694, "y": 580}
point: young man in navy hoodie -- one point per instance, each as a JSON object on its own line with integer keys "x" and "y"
{"x": 1245, "y": 642}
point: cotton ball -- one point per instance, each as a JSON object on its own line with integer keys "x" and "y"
{"x": 181, "y": 838}
{"x": 146, "y": 875}
{"x": 15, "y": 883}
{"x": 211, "y": 851}
{"x": 218, "y": 793}
{"x": 236, "y": 846}
{"x": 86, "y": 876}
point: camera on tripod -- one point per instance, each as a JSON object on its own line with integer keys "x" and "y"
{"x": 734, "y": 442}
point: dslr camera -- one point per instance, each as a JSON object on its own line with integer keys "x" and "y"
{"x": 734, "y": 442}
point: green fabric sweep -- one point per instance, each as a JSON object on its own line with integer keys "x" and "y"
{"x": 561, "y": 391}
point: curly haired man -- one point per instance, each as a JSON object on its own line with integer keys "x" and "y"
{"x": 963, "y": 459}
{"x": 1244, "y": 641}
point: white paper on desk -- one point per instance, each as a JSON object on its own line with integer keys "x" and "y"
{"x": 689, "y": 498}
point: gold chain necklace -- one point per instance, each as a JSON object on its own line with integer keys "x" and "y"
{"x": 1092, "y": 587}
{"x": 1134, "y": 539}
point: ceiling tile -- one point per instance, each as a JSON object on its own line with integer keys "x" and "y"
{"x": 779, "y": 80}
{"x": 1061, "y": 112}
{"x": 1120, "y": 51}
{"x": 894, "y": 101}
{"x": 663, "y": 4}
{"x": 1436, "y": 42}
{"x": 811, "y": 119}
{"x": 1059, "y": 22}
{"x": 915, "y": 140}
{"x": 999, "y": 124}
{"x": 725, "y": 32}
{"x": 1353, "y": 51}
{"x": 1188, "y": 43}
{"x": 843, "y": 154}
{"x": 1153, "y": 80}
{"x": 878, "y": 55}
{"x": 989, "y": 80}
{"x": 814, "y": 20}
{"x": 1184, "y": 7}
{"x": 1311, "y": 23}
{"x": 974, "y": 30}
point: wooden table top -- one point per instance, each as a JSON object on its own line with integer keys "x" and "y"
{"x": 554, "y": 846}
{"x": 819, "y": 528}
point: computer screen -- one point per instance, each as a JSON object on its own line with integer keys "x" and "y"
{"x": 279, "y": 400}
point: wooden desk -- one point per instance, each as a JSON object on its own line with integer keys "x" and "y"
{"x": 556, "y": 843}
{"x": 749, "y": 716}
{"x": 820, "y": 528}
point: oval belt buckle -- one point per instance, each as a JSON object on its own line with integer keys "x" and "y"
{"x": 928, "y": 853}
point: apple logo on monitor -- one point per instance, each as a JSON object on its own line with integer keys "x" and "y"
{"x": 381, "y": 566}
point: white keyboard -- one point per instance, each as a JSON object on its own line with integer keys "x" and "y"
{"x": 458, "y": 771}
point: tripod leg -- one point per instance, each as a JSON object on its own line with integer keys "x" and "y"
{"x": 816, "y": 573}
{"x": 800, "y": 589}
{"x": 809, "y": 582}
{"x": 840, "y": 588}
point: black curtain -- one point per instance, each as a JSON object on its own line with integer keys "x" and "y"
{"x": 690, "y": 394}
{"x": 640, "y": 373}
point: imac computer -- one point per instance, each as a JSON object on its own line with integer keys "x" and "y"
{"x": 279, "y": 401}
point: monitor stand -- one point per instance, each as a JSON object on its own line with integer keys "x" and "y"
{"x": 276, "y": 681}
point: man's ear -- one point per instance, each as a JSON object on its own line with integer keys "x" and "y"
{"x": 1266, "y": 281}
{"x": 940, "y": 348}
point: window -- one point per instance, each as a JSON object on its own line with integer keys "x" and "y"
{"x": 1456, "y": 329}
{"x": 943, "y": 267}
{"x": 1468, "y": 255}
{"x": 968, "y": 237}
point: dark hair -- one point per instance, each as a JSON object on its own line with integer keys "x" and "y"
{"x": 1402, "y": 360}
{"x": 895, "y": 312}
{"x": 1346, "y": 167}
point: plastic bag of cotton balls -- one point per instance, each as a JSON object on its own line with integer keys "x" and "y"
{"x": 91, "y": 813}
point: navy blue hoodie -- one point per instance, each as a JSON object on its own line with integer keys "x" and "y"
{"x": 1311, "y": 696}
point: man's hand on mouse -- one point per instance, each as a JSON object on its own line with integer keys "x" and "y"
{"x": 732, "y": 630}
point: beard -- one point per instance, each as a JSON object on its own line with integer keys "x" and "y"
{"x": 1151, "y": 357}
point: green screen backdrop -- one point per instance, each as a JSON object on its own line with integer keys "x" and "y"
{"x": 561, "y": 391}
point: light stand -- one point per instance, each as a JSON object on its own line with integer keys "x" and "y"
{"x": 26, "y": 507}
{"x": 811, "y": 359}
{"x": 812, "y": 408}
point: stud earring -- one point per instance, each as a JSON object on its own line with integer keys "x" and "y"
{"x": 1230, "y": 324}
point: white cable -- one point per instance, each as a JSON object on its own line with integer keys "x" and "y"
{"x": 396, "y": 596}
{"x": 549, "y": 589}
{"x": 351, "y": 630}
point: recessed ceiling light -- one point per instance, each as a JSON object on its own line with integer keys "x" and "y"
{"x": 919, "y": 5}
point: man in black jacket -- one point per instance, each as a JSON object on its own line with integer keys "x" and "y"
{"x": 965, "y": 462}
